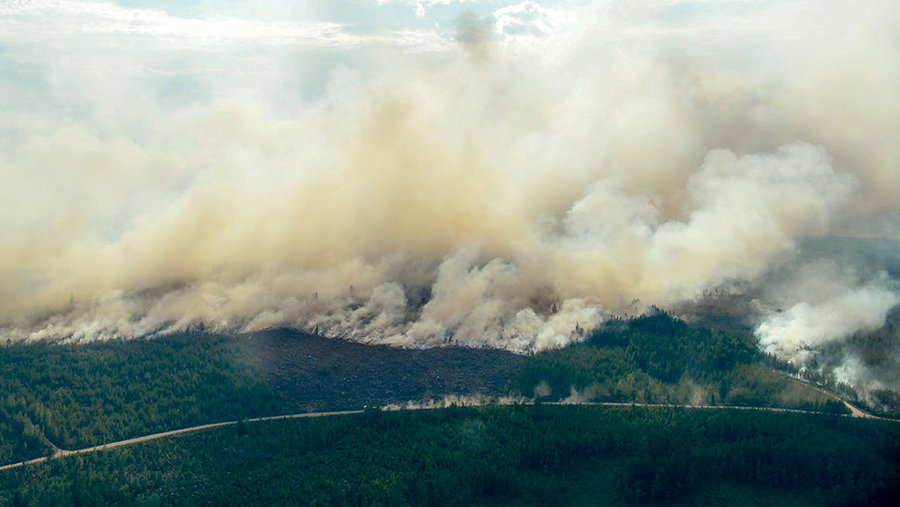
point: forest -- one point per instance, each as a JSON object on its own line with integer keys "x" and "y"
{"x": 80, "y": 395}
{"x": 660, "y": 359}
{"x": 493, "y": 455}
{"x": 74, "y": 396}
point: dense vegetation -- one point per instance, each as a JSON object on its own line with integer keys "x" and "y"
{"x": 514, "y": 455}
{"x": 81, "y": 395}
{"x": 75, "y": 396}
{"x": 660, "y": 359}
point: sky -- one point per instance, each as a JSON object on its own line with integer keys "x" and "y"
{"x": 422, "y": 172}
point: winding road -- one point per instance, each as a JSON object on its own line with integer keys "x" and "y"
{"x": 854, "y": 410}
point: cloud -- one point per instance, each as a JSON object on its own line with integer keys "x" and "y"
{"x": 58, "y": 21}
{"x": 66, "y": 19}
{"x": 422, "y": 6}
{"x": 529, "y": 19}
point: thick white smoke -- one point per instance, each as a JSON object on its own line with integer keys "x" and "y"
{"x": 805, "y": 326}
{"x": 510, "y": 189}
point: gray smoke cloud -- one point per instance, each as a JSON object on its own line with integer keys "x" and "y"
{"x": 510, "y": 196}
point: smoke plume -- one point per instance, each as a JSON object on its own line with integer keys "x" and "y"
{"x": 509, "y": 184}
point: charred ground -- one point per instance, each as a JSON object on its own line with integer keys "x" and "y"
{"x": 310, "y": 373}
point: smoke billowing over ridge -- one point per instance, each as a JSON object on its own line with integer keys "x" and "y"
{"x": 508, "y": 186}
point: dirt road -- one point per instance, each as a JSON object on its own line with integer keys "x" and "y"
{"x": 154, "y": 436}
{"x": 62, "y": 452}
{"x": 854, "y": 410}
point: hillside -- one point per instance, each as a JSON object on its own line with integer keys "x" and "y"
{"x": 74, "y": 396}
{"x": 660, "y": 359}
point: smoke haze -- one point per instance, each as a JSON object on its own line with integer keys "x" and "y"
{"x": 482, "y": 173}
